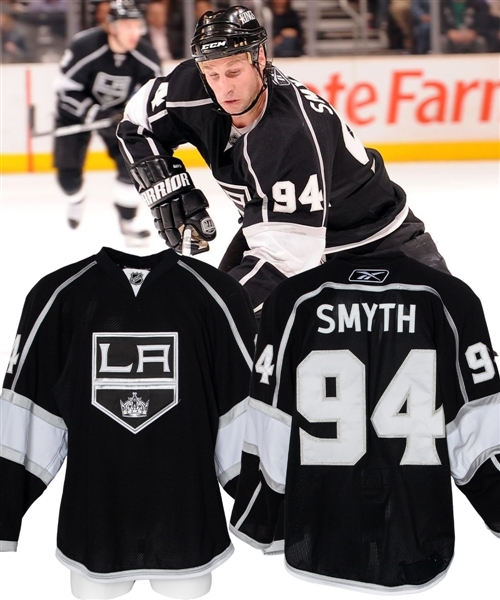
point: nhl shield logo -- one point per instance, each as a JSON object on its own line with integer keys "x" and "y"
{"x": 135, "y": 376}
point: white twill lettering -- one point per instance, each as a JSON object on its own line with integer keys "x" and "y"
{"x": 315, "y": 102}
{"x": 370, "y": 313}
{"x": 349, "y": 320}
{"x": 402, "y": 317}
{"x": 162, "y": 358}
{"x": 106, "y": 368}
{"x": 350, "y": 317}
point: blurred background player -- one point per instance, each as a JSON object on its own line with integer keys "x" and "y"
{"x": 100, "y": 71}
{"x": 302, "y": 181}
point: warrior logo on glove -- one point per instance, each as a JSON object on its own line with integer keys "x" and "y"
{"x": 167, "y": 186}
{"x": 175, "y": 203}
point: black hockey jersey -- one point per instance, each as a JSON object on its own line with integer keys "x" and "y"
{"x": 374, "y": 380}
{"x": 298, "y": 177}
{"x": 95, "y": 78}
{"x": 138, "y": 369}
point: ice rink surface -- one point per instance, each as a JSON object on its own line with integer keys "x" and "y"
{"x": 460, "y": 204}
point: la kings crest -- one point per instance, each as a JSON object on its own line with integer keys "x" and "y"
{"x": 134, "y": 376}
{"x": 111, "y": 90}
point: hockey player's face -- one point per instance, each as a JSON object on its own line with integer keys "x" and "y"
{"x": 234, "y": 81}
{"x": 127, "y": 32}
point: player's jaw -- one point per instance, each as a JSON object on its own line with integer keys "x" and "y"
{"x": 234, "y": 81}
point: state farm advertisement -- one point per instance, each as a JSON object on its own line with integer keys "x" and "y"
{"x": 409, "y": 106}
{"x": 409, "y": 98}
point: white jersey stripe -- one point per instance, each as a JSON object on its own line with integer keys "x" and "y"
{"x": 253, "y": 272}
{"x": 30, "y": 438}
{"x": 230, "y": 441}
{"x": 258, "y": 187}
{"x": 318, "y": 150}
{"x": 473, "y": 437}
{"x": 268, "y": 429}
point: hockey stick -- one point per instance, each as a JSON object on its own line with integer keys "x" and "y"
{"x": 186, "y": 242}
{"x": 69, "y": 129}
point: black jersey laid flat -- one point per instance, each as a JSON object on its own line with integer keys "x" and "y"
{"x": 374, "y": 385}
{"x": 137, "y": 369}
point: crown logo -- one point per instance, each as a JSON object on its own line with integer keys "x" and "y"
{"x": 134, "y": 408}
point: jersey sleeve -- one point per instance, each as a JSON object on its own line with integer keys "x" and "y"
{"x": 147, "y": 129}
{"x": 33, "y": 433}
{"x": 232, "y": 329}
{"x": 473, "y": 427}
{"x": 258, "y": 512}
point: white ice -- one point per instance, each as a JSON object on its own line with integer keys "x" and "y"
{"x": 460, "y": 204}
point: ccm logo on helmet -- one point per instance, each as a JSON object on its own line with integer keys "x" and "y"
{"x": 167, "y": 186}
{"x": 212, "y": 45}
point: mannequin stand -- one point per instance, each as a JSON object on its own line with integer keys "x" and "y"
{"x": 181, "y": 589}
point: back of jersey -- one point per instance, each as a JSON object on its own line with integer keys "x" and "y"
{"x": 374, "y": 380}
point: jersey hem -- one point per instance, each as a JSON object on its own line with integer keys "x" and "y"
{"x": 247, "y": 539}
{"x": 370, "y": 588}
{"x": 495, "y": 533}
{"x": 382, "y": 233}
{"x": 138, "y": 574}
{"x": 6, "y": 546}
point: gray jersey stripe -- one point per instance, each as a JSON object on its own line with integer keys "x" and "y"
{"x": 189, "y": 103}
{"x": 81, "y": 63}
{"x": 226, "y": 311}
{"x": 146, "y": 61}
{"x": 249, "y": 507}
{"x": 42, "y": 316}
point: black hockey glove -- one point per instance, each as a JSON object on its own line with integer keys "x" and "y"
{"x": 175, "y": 203}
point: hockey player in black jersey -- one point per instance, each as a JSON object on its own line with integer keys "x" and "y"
{"x": 99, "y": 73}
{"x": 302, "y": 181}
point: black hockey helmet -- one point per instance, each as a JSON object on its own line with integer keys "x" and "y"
{"x": 225, "y": 32}
{"x": 124, "y": 9}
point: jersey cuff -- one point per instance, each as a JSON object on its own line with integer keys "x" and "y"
{"x": 277, "y": 547}
{"x": 6, "y": 546}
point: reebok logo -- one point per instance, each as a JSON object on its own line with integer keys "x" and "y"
{"x": 369, "y": 275}
{"x": 165, "y": 187}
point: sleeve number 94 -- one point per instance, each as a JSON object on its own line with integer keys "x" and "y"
{"x": 285, "y": 197}
{"x": 331, "y": 387}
